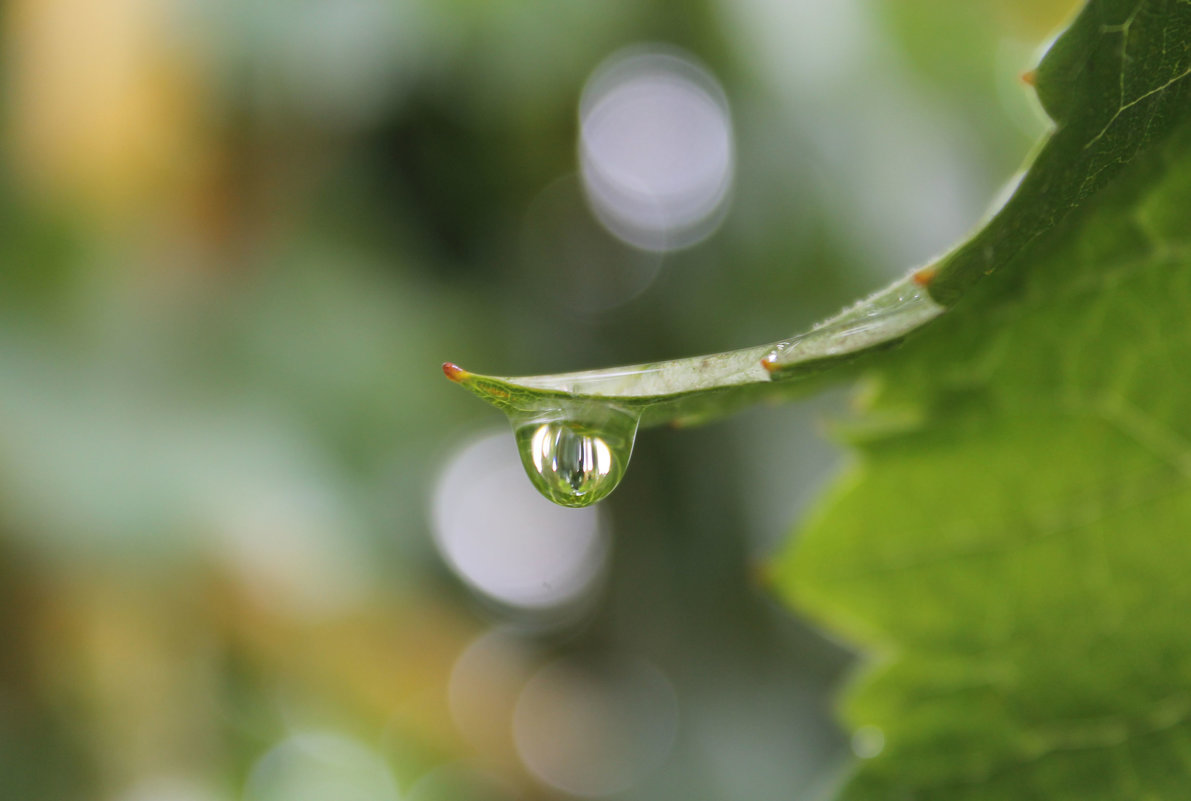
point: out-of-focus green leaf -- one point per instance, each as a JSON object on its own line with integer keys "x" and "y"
{"x": 1012, "y": 545}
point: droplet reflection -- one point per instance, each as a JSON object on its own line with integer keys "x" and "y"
{"x": 576, "y": 462}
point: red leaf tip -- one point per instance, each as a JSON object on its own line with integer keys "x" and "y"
{"x": 453, "y": 371}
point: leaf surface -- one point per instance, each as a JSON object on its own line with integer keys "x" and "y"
{"x": 699, "y": 388}
{"x": 1013, "y": 545}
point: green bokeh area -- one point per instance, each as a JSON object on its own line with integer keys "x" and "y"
{"x": 1012, "y": 546}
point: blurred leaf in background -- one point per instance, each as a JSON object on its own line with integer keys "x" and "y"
{"x": 251, "y": 541}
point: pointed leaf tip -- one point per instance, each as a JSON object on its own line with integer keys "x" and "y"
{"x": 453, "y": 371}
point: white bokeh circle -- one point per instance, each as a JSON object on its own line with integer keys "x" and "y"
{"x": 656, "y": 148}
{"x": 504, "y": 539}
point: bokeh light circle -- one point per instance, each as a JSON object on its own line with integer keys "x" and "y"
{"x": 317, "y": 766}
{"x": 508, "y": 542}
{"x": 656, "y": 148}
{"x": 572, "y": 261}
{"x": 594, "y": 731}
{"x": 483, "y": 686}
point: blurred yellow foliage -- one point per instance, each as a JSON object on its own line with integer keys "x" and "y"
{"x": 147, "y": 695}
{"x": 107, "y": 103}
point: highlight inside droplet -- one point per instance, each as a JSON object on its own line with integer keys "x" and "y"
{"x": 576, "y": 459}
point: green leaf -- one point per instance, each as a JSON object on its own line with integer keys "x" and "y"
{"x": 1113, "y": 84}
{"x": 698, "y": 388}
{"x": 1012, "y": 546}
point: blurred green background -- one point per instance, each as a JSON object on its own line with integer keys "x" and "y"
{"x": 253, "y": 545}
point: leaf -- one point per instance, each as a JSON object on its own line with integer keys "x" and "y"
{"x": 1113, "y": 83}
{"x": 694, "y": 389}
{"x": 1104, "y": 116}
{"x": 1012, "y": 547}
{"x": 698, "y": 388}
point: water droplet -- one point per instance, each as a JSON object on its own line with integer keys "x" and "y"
{"x": 575, "y": 456}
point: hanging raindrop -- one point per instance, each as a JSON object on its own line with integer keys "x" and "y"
{"x": 575, "y": 459}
